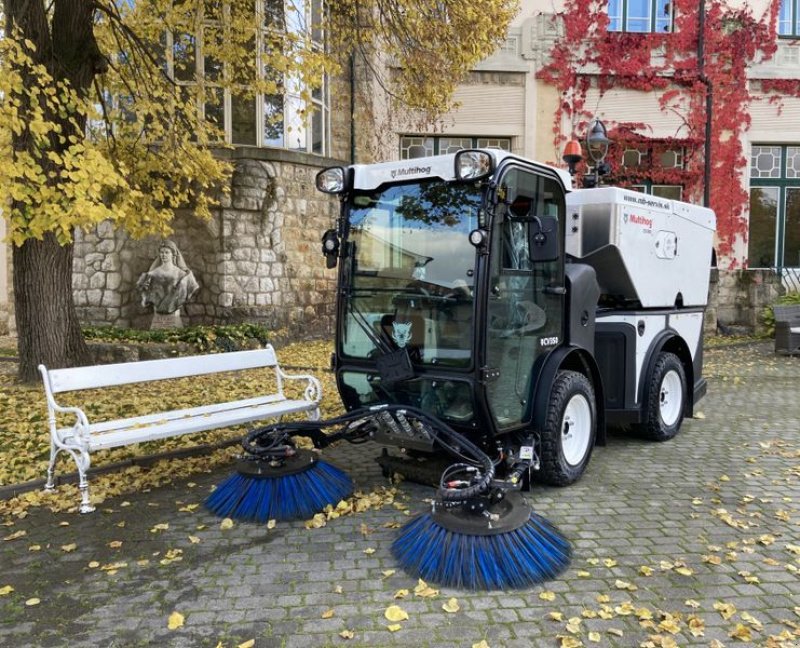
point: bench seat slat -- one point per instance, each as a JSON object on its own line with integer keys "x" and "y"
{"x": 124, "y": 373}
{"x": 197, "y": 422}
{"x": 150, "y": 419}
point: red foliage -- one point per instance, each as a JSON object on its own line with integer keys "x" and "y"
{"x": 668, "y": 63}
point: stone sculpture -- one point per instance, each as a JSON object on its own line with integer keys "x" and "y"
{"x": 169, "y": 283}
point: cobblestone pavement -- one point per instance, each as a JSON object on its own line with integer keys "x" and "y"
{"x": 665, "y": 537}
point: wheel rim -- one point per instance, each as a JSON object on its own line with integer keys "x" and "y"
{"x": 576, "y": 429}
{"x": 670, "y": 398}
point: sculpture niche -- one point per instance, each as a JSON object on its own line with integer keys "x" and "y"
{"x": 168, "y": 285}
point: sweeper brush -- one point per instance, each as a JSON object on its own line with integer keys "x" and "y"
{"x": 297, "y": 488}
{"x": 479, "y": 534}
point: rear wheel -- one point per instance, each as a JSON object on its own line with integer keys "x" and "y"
{"x": 666, "y": 399}
{"x": 570, "y": 429}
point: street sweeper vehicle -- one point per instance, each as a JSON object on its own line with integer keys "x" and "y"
{"x": 490, "y": 315}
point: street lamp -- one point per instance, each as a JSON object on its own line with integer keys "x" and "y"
{"x": 597, "y": 146}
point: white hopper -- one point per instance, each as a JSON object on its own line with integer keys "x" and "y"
{"x": 643, "y": 248}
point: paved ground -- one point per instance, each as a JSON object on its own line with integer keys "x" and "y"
{"x": 668, "y": 538}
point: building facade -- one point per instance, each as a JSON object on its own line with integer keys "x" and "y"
{"x": 646, "y": 69}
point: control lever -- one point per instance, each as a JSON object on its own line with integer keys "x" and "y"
{"x": 555, "y": 290}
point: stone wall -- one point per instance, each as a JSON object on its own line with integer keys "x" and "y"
{"x": 737, "y": 298}
{"x": 257, "y": 260}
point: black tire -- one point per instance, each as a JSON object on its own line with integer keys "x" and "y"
{"x": 563, "y": 457}
{"x": 664, "y": 413}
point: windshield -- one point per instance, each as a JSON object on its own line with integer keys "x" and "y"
{"x": 411, "y": 272}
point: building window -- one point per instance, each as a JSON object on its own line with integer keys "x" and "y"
{"x": 774, "y": 232}
{"x": 789, "y": 19}
{"x": 277, "y": 119}
{"x": 671, "y": 192}
{"x": 414, "y": 146}
{"x": 642, "y": 163}
{"x": 640, "y": 15}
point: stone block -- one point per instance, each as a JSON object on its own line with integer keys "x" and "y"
{"x": 113, "y": 280}
{"x": 111, "y": 298}
{"x": 97, "y": 280}
{"x": 105, "y": 246}
{"x": 111, "y": 263}
{"x": 105, "y": 230}
{"x": 226, "y": 299}
{"x": 94, "y": 257}
{"x": 250, "y": 204}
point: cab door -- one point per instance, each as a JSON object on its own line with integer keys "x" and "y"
{"x": 525, "y": 302}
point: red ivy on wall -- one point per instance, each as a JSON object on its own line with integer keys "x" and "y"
{"x": 589, "y": 56}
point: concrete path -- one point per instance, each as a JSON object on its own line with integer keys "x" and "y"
{"x": 690, "y": 542}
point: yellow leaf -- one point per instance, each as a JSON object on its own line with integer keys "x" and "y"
{"x": 621, "y": 584}
{"x": 583, "y": 574}
{"x": 574, "y": 625}
{"x": 481, "y": 644}
{"x": 615, "y": 631}
{"x": 175, "y": 621}
{"x": 388, "y": 572}
{"x": 194, "y": 539}
{"x": 347, "y": 634}
{"x": 37, "y": 547}
{"x": 556, "y": 616}
{"x": 369, "y": 551}
{"x": 395, "y": 613}
{"x": 569, "y": 642}
{"x": 727, "y": 610}
{"x": 401, "y": 593}
{"x": 609, "y": 562}
{"x": 741, "y": 633}
{"x": 15, "y": 535}
{"x": 451, "y": 606}
{"x": 696, "y": 625}
{"x": 684, "y": 571}
{"x": 94, "y": 564}
{"x": 603, "y": 598}
{"x": 424, "y": 590}
{"x": 699, "y": 415}
{"x": 594, "y": 637}
{"x": 644, "y": 570}
{"x": 227, "y": 523}
{"x": 247, "y": 644}
{"x": 692, "y": 603}
{"x": 328, "y": 614}
{"x": 32, "y": 601}
{"x": 547, "y": 596}
{"x": 6, "y": 590}
{"x": 393, "y": 627}
{"x": 271, "y": 524}
{"x": 67, "y": 548}
{"x": 115, "y": 544}
{"x": 338, "y": 589}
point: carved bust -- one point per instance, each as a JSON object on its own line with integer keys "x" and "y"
{"x": 169, "y": 284}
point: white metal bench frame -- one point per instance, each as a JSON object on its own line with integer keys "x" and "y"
{"x": 80, "y": 439}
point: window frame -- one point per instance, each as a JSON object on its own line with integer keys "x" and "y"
{"x": 793, "y": 21}
{"x": 320, "y": 100}
{"x": 624, "y": 16}
{"x": 437, "y": 140}
{"x": 782, "y": 182}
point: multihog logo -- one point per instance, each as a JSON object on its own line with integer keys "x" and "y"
{"x": 415, "y": 170}
{"x": 641, "y": 220}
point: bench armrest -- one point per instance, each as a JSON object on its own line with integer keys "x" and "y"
{"x": 81, "y": 426}
{"x": 313, "y": 390}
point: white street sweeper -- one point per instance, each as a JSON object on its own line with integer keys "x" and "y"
{"x": 488, "y": 314}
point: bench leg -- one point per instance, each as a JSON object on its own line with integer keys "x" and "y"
{"x": 83, "y": 461}
{"x": 50, "y": 485}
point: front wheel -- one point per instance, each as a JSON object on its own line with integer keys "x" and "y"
{"x": 570, "y": 429}
{"x": 666, "y": 399}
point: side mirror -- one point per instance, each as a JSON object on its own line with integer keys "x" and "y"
{"x": 330, "y": 248}
{"x": 543, "y": 238}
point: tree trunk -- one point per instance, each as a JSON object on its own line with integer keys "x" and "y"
{"x": 47, "y": 323}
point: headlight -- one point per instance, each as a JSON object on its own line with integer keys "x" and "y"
{"x": 473, "y": 165}
{"x": 331, "y": 180}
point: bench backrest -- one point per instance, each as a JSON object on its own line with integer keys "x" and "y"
{"x": 785, "y": 313}
{"x": 123, "y": 373}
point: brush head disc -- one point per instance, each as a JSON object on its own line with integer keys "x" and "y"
{"x": 484, "y": 518}
{"x": 268, "y": 469}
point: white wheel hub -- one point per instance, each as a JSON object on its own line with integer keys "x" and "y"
{"x": 670, "y": 398}
{"x": 576, "y": 429}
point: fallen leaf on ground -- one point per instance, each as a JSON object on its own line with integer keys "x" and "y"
{"x": 6, "y": 590}
{"x": 395, "y": 613}
{"x": 227, "y": 523}
{"x": 547, "y": 596}
{"x": 328, "y": 614}
{"x": 451, "y": 606}
{"x": 67, "y": 548}
{"x": 727, "y": 610}
{"x": 33, "y": 601}
{"x": 175, "y": 621}
{"x": 394, "y": 627}
{"x": 347, "y": 634}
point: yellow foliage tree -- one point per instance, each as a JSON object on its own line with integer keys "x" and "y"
{"x": 95, "y": 125}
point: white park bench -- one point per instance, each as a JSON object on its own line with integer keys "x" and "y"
{"x": 83, "y": 437}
